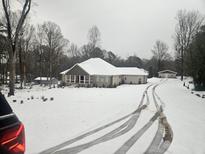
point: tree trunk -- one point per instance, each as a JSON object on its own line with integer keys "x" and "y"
{"x": 4, "y": 74}
{"x": 159, "y": 65}
{"x": 40, "y": 73}
{"x": 21, "y": 67}
{"x": 12, "y": 73}
{"x": 1, "y": 69}
{"x": 7, "y": 70}
{"x": 50, "y": 69}
{"x": 50, "y": 74}
{"x": 182, "y": 65}
{"x": 24, "y": 73}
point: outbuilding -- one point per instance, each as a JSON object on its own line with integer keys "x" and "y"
{"x": 45, "y": 80}
{"x": 167, "y": 74}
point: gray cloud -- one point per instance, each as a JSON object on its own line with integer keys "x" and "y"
{"x": 127, "y": 26}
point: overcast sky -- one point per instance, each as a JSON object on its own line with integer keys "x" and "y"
{"x": 127, "y": 27}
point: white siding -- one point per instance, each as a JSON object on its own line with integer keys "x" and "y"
{"x": 102, "y": 80}
{"x": 134, "y": 79}
{"x": 116, "y": 80}
{"x": 64, "y": 77}
{"x": 167, "y": 75}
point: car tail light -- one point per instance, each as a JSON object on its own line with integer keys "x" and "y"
{"x": 13, "y": 140}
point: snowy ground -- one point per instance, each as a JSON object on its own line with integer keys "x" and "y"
{"x": 75, "y": 111}
{"x": 185, "y": 112}
{"x": 188, "y": 81}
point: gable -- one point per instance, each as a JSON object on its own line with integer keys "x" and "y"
{"x": 167, "y": 71}
{"x": 97, "y": 66}
{"x": 77, "y": 70}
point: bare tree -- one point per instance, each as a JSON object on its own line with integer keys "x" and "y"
{"x": 73, "y": 50}
{"x": 188, "y": 25}
{"x": 86, "y": 50}
{"x": 160, "y": 53}
{"x": 25, "y": 42}
{"x": 3, "y": 58}
{"x": 39, "y": 45}
{"x": 55, "y": 42}
{"x": 13, "y": 37}
{"x": 94, "y": 36}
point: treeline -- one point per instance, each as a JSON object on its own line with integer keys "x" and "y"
{"x": 28, "y": 51}
{"x": 160, "y": 60}
{"x": 43, "y": 51}
{"x": 190, "y": 46}
{"x": 195, "y": 59}
{"x": 40, "y": 52}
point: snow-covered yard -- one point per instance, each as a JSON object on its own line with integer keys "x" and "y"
{"x": 75, "y": 111}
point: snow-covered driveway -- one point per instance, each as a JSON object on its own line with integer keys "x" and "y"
{"x": 186, "y": 114}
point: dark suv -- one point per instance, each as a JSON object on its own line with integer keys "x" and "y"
{"x": 12, "y": 137}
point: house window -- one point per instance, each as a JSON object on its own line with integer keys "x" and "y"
{"x": 67, "y": 78}
{"x": 81, "y": 79}
{"x": 72, "y": 78}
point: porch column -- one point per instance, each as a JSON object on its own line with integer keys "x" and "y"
{"x": 74, "y": 78}
{"x": 79, "y": 78}
{"x": 84, "y": 79}
{"x": 64, "y": 77}
{"x": 89, "y": 79}
{"x": 69, "y": 78}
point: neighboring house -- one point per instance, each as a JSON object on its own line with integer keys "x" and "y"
{"x": 17, "y": 78}
{"x": 45, "y": 80}
{"x": 99, "y": 73}
{"x": 167, "y": 74}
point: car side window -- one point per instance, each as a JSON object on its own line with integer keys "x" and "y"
{"x": 4, "y": 106}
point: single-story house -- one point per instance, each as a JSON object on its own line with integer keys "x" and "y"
{"x": 17, "y": 78}
{"x": 99, "y": 73}
{"x": 167, "y": 74}
{"x": 45, "y": 80}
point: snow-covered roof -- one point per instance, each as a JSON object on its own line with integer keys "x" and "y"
{"x": 42, "y": 79}
{"x": 169, "y": 71}
{"x": 97, "y": 66}
{"x": 64, "y": 72}
{"x": 131, "y": 71}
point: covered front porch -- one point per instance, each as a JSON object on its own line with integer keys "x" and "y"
{"x": 79, "y": 79}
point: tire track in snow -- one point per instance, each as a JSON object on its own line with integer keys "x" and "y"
{"x": 109, "y": 136}
{"x": 131, "y": 123}
{"x": 130, "y": 142}
{"x": 113, "y": 134}
{"x": 153, "y": 147}
{"x": 164, "y": 135}
{"x": 168, "y": 136}
{"x": 55, "y": 148}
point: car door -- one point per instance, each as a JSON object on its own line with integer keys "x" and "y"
{"x": 12, "y": 137}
